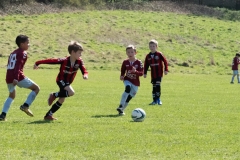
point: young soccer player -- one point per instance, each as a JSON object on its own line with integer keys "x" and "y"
{"x": 15, "y": 76}
{"x": 235, "y": 63}
{"x": 155, "y": 60}
{"x": 68, "y": 70}
{"x": 131, "y": 70}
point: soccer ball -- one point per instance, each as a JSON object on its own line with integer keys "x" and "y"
{"x": 138, "y": 115}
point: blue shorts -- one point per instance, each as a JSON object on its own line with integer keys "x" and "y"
{"x": 134, "y": 88}
{"x": 25, "y": 83}
{"x": 235, "y": 72}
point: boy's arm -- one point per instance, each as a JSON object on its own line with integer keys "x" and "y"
{"x": 83, "y": 70}
{"x": 139, "y": 70}
{"x": 49, "y": 61}
{"x": 165, "y": 63}
{"x": 123, "y": 71}
{"x": 146, "y": 65}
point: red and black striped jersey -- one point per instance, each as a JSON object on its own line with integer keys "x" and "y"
{"x": 68, "y": 70}
{"x": 128, "y": 75}
{"x": 155, "y": 61}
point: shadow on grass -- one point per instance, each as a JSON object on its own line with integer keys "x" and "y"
{"x": 41, "y": 122}
{"x": 108, "y": 116}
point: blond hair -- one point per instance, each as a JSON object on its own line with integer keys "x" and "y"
{"x": 153, "y": 41}
{"x": 74, "y": 46}
{"x": 131, "y": 47}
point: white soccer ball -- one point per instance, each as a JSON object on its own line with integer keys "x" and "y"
{"x": 138, "y": 115}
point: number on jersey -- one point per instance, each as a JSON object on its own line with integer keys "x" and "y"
{"x": 12, "y": 61}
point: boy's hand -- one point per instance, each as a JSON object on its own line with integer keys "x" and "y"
{"x": 121, "y": 78}
{"x": 165, "y": 72}
{"x": 85, "y": 77}
{"x": 133, "y": 70}
{"x": 35, "y": 66}
{"x": 15, "y": 82}
{"x": 145, "y": 76}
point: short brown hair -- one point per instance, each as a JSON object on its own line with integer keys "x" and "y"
{"x": 131, "y": 47}
{"x": 153, "y": 41}
{"x": 74, "y": 46}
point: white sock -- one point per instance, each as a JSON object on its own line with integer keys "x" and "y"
{"x": 30, "y": 98}
{"x": 7, "y": 104}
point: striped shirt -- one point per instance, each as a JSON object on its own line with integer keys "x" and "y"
{"x": 67, "y": 70}
{"x": 155, "y": 61}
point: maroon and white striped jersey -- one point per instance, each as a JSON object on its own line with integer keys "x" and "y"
{"x": 67, "y": 71}
{"x": 128, "y": 75}
{"x": 155, "y": 61}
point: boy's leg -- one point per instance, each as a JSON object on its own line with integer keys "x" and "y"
{"x": 29, "y": 84}
{"x": 124, "y": 97}
{"x": 56, "y": 106}
{"x": 158, "y": 91}
{"x": 132, "y": 93}
{"x": 8, "y": 102}
{"x": 66, "y": 90}
{"x": 153, "y": 92}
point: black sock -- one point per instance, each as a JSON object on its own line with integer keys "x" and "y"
{"x": 61, "y": 94}
{"x": 154, "y": 92}
{"x": 3, "y": 113}
{"x": 158, "y": 92}
{"x": 26, "y": 105}
{"x": 54, "y": 108}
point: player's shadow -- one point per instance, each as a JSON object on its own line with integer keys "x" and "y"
{"x": 108, "y": 116}
{"x": 41, "y": 122}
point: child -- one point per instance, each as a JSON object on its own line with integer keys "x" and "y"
{"x": 235, "y": 67}
{"x": 131, "y": 69}
{"x": 155, "y": 60}
{"x": 15, "y": 76}
{"x": 68, "y": 70}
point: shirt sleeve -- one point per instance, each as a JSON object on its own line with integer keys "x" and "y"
{"x": 123, "y": 69}
{"x": 165, "y": 63}
{"x": 50, "y": 61}
{"x": 146, "y": 65}
{"x": 82, "y": 68}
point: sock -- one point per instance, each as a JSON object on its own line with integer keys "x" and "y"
{"x": 127, "y": 101}
{"x": 158, "y": 92}
{"x": 238, "y": 79}
{"x": 30, "y": 99}
{"x": 154, "y": 92}
{"x": 124, "y": 98}
{"x": 7, "y": 105}
{"x": 61, "y": 94}
{"x": 233, "y": 78}
{"x": 54, "y": 108}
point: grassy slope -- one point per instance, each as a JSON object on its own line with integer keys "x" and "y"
{"x": 198, "y": 41}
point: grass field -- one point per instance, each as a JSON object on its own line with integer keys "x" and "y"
{"x": 199, "y": 119}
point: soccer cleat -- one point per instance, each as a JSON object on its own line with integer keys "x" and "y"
{"x": 153, "y": 103}
{"x": 49, "y": 118}
{"x": 120, "y": 111}
{"x": 231, "y": 82}
{"x": 159, "y": 102}
{"x": 51, "y": 98}
{"x": 26, "y": 110}
{"x": 2, "y": 118}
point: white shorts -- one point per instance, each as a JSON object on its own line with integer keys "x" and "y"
{"x": 134, "y": 88}
{"x": 235, "y": 72}
{"x": 25, "y": 83}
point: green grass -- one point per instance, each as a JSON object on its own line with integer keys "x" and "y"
{"x": 199, "y": 119}
{"x": 206, "y": 44}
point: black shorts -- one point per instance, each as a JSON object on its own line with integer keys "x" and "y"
{"x": 62, "y": 84}
{"x": 155, "y": 80}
